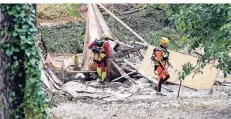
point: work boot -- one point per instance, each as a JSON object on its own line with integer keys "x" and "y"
{"x": 156, "y": 88}
{"x": 99, "y": 80}
{"x": 102, "y": 82}
{"x": 159, "y": 93}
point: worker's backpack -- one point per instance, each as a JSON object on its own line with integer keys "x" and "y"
{"x": 164, "y": 57}
{"x": 98, "y": 50}
{"x": 153, "y": 58}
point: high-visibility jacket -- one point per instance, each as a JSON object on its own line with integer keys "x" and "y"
{"x": 164, "y": 57}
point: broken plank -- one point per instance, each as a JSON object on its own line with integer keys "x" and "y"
{"x": 143, "y": 44}
{"x": 86, "y": 41}
{"x": 54, "y": 77}
{"x": 118, "y": 68}
{"x": 51, "y": 62}
{"x": 124, "y": 76}
{"x": 51, "y": 80}
{"x": 145, "y": 76}
{"x": 80, "y": 71}
{"x": 130, "y": 12}
{"x": 131, "y": 64}
{"x": 45, "y": 81}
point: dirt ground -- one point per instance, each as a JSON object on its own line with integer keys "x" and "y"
{"x": 139, "y": 102}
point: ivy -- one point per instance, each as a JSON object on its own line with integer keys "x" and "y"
{"x": 25, "y": 73}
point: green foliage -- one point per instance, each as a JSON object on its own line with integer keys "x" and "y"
{"x": 22, "y": 41}
{"x": 54, "y": 13}
{"x": 154, "y": 6}
{"x": 153, "y": 37}
{"x": 64, "y": 38}
{"x": 72, "y": 10}
{"x": 187, "y": 70}
{"x": 206, "y": 26}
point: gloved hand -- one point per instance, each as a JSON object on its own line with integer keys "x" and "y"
{"x": 152, "y": 58}
{"x": 105, "y": 60}
{"x": 165, "y": 71}
{"x": 169, "y": 64}
{"x": 165, "y": 58}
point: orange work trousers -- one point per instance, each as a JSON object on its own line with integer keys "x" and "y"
{"x": 162, "y": 76}
{"x": 161, "y": 73}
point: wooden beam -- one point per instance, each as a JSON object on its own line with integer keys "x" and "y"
{"x": 124, "y": 76}
{"x": 143, "y": 44}
{"x": 86, "y": 41}
{"x": 126, "y": 26}
{"x": 80, "y": 71}
{"x": 103, "y": 25}
{"x": 144, "y": 75}
{"x": 132, "y": 11}
{"x": 101, "y": 20}
{"x": 118, "y": 68}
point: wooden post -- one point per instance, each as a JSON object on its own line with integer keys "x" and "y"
{"x": 86, "y": 41}
{"x": 179, "y": 89}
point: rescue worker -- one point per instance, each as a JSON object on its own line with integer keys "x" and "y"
{"x": 101, "y": 54}
{"x": 160, "y": 58}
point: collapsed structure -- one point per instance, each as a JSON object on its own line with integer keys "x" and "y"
{"x": 128, "y": 60}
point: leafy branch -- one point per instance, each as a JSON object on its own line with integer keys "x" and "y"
{"x": 205, "y": 26}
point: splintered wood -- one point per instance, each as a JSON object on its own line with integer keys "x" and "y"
{"x": 199, "y": 82}
{"x": 49, "y": 79}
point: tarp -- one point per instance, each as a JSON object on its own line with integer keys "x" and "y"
{"x": 199, "y": 82}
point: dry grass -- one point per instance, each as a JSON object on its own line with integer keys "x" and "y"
{"x": 54, "y": 13}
